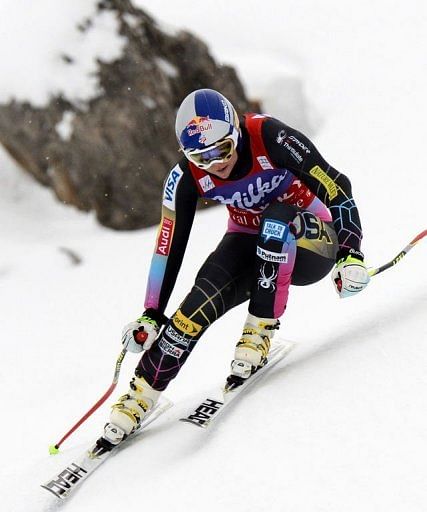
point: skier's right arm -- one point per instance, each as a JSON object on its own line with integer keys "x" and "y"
{"x": 178, "y": 208}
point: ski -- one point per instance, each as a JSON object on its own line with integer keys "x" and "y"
{"x": 68, "y": 479}
{"x": 214, "y": 405}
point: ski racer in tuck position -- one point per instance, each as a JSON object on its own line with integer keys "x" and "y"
{"x": 292, "y": 217}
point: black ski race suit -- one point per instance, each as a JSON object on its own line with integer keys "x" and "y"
{"x": 291, "y": 217}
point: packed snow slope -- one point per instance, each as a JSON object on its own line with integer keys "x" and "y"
{"x": 342, "y": 424}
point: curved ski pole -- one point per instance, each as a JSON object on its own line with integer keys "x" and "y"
{"x": 402, "y": 253}
{"x": 55, "y": 448}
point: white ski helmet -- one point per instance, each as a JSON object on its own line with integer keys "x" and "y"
{"x": 207, "y": 128}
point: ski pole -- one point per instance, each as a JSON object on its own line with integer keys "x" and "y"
{"x": 402, "y": 253}
{"x": 53, "y": 449}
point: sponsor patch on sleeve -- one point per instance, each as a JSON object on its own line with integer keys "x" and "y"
{"x": 171, "y": 185}
{"x": 321, "y": 176}
{"x": 164, "y": 237}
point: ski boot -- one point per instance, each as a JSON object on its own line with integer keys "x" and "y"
{"x": 112, "y": 436}
{"x": 252, "y": 349}
{"x": 130, "y": 409}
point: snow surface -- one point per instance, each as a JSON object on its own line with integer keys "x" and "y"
{"x": 343, "y": 425}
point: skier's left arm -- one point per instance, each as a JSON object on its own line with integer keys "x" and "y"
{"x": 298, "y": 154}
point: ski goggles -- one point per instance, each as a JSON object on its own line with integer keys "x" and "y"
{"x": 218, "y": 153}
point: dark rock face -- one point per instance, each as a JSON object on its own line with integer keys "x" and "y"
{"x": 122, "y": 143}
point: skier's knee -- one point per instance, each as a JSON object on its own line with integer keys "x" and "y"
{"x": 281, "y": 212}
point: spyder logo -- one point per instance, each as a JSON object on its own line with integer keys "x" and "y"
{"x": 265, "y": 281}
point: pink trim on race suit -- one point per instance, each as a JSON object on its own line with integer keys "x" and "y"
{"x": 284, "y": 279}
{"x": 233, "y": 227}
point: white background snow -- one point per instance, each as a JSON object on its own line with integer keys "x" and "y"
{"x": 342, "y": 426}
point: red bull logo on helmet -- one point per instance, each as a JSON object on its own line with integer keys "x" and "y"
{"x": 198, "y": 124}
{"x": 197, "y": 120}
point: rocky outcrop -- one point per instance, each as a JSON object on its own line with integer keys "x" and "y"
{"x": 111, "y": 153}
